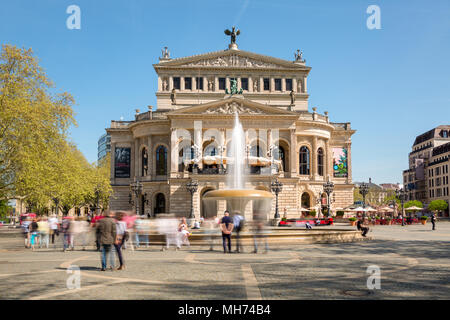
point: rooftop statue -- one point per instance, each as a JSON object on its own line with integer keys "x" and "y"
{"x": 233, "y": 33}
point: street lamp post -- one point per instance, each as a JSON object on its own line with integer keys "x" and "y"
{"x": 221, "y": 150}
{"x": 401, "y": 195}
{"x": 364, "y": 190}
{"x": 56, "y": 200}
{"x": 276, "y": 187}
{"x": 136, "y": 187}
{"x": 192, "y": 187}
{"x": 328, "y": 188}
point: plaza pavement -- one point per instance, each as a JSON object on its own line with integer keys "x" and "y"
{"x": 414, "y": 263}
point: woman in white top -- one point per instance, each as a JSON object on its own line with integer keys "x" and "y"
{"x": 121, "y": 228}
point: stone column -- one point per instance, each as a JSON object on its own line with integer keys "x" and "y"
{"x": 216, "y": 83}
{"x": 250, "y": 84}
{"x": 136, "y": 157}
{"x": 205, "y": 84}
{"x": 283, "y": 84}
{"x": 182, "y": 84}
{"x": 349, "y": 162}
{"x": 272, "y": 84}
{"x": 194, "y": 83}
{"x": 170, "y": 83}
{"x": 159, "y": 83}
{"x": 199, "y": 142}
{"x": 239, "y": 83}
{"x": 112, "y": 155}
{"x": 227, "y": 83}
{"x": 304, "y": 88}
{"x": 328, "y": 160}
{"x": 149, "y": 156}
{"x": 294, "y": 161}
{"x": 261, "y": 84}
{"x": 294, "y": 84}
{"x": 173, "y": 153}
{"x": 314, "y": 164}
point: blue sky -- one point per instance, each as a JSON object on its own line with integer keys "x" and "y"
{"x": 391, "y": 84}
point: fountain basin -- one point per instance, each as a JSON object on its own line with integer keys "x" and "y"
{"x": 237, "y": 200}
{"x": 229, "y": 194}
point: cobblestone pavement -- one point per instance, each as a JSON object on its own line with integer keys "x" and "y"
{"x": 414, "y": 263}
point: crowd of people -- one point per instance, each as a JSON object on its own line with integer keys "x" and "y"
{"x": 115, "y": 231}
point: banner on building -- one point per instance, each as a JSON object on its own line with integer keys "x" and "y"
{"x": 122, "y": 160}
{"x": 420, "y": 169}
{"x": 340, "y": 167}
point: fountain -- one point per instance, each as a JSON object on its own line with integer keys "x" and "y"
{"x": 236, "y": 194}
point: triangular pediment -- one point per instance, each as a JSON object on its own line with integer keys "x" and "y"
{"x": 229, "y": 106}
{"x": 232, "y": 59}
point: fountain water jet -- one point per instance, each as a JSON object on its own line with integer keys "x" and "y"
{"x": 236, "y": 194}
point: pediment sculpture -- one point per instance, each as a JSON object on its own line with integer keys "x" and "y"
{"x": 233, "y": 61}
{"x": 230, "y": 108}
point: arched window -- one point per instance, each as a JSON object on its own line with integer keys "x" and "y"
{"x": 445, "y": 134}
{"x": 304, "y": 160}
{"x": 144, "y": 157}
{"x": 210, "y": 150}
{"x": 306, "y": 200}
{"x": 320, "y": 161}
{"x": 278, "y": 154}
{"x": 160, "y": 203}
{"x": 161, "y": 160}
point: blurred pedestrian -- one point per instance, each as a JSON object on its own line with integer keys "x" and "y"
{"x": 26, "y": 231}
{"x": 433, "y": 221}
{"x": 259, "y": 236}
{"x": 54, "y": 227}
{"x": 183, "y": 232}
{"x": 226, "y": 225}
{"x": 167, "y": 227}
{"x": 121, "y": 237}
{"x": 238, "y": 224}
{"x": 34, "y": 233}
{"x": 210, "y": 227}
{"x": 44, "y": 231}
{"x": 107, "y": 237}
{"x": 66, "y": 230}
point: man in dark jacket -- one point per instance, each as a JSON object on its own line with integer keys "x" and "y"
{"x": 433, "y": 221}
{"x": 107, "y": 237}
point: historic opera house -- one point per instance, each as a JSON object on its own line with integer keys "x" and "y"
{"x": 186, "y": 138}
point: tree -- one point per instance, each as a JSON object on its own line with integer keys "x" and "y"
{"x": 413, "y": 203}
{"x": 438, "y": 205}
{"x": 33, "y": 121}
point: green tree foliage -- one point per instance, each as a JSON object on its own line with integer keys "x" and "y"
{"x": 37, "y": 162}
{"x": 413, "y": 203}
{"x": 438, "y": 205}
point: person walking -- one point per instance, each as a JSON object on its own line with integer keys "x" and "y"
{"x": 210, "y": 227}
{"x": 238, "y": 222}
{"x": 433, "y": 221}
{"x": 26, "y": 231}
{"x": 259, "y": 235}
{"x": 121, "y": 232}
{"x": 34, "y": 233}
{"x": 107, "y": 231}
{"x": 226, "y": 225}
{"x": 44, "y": 231}
{"x": 66, "y": 229}
{"x": 54, "y": 227}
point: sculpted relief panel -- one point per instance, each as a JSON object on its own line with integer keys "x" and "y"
{"x": 232, "y": 61}
{"x": 230, "y": 108}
